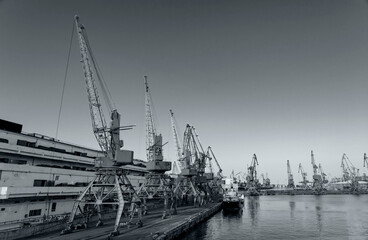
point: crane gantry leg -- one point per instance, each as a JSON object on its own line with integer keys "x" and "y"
{"x": 158, "y": 186}
{"x": 110, "y": 187}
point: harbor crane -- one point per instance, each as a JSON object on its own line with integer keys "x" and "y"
{"x": 252, "y": 181}
{"x": 190, "y": 181}
{"x": 177, "y": 144}
{"x": 323, "y": 174}
{"x": 110, "y": 186}
{"x": 215, "y": 181}
{"x": 304, "y": 176}
{"x": 365, "y": 160}
{"x": 350, "y": 174}
{"x": 211, "y": 156}
{"x": 317, "y": 186}
{"x": 157, "y": 184}
{"x": 266, "y": 181}
{"x": 290, "y": 176}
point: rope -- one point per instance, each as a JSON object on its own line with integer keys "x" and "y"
{"x": 65, "y": 77}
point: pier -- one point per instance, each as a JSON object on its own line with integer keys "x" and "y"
{"x": 154, "y": 227}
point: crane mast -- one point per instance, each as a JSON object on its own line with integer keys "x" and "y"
{"x": 176, "y": 137}
{"x": 317, "y": 178}
{"x": 290, "y": 176}
{"x": 153, "y": 141}
{"x": 304, "y": 176}
{"x": 315, "y": 167}
{"x": 365, "y": 160}
{"x": 252, "y": 181}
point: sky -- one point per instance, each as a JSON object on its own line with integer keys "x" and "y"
{"x": 277, "y": 78}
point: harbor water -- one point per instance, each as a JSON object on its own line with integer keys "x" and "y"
{"x": 290, "y": 217}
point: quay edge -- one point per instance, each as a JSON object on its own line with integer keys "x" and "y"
{"x": 189, "y": 223}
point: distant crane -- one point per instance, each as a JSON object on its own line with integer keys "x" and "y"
{"x": 157, "y": 184}
{"x": 265, "y": 180}
{"x": 365, "y": 160}
{"x": 290, "y": 176}
{"x": 190, "y": 181}
{"x": 350, "y": 174}
{"x": 110, "y": 186}
{"x": 176, "y": 142}
{"x": 323, "y": 174}
{"x": 252, "y": 181}
{"x": 304, "y": 176}
{"x": 215, "y": 181}
{"x": 317, "y": 178}
{"x": 211, "y": 155}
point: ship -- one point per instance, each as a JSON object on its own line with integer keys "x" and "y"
{"x": 232, "y": 200}
{"x": 40, "y": 176}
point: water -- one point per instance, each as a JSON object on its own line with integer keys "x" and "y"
{"x": 328, "y": 217}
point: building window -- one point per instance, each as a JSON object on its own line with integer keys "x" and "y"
{"x": 53, "y": 207}
{"x": 36, "y": 212}
{"x": 0, "y": 173}
{"x": 2, "y": 209}
{"x": 3, "y": 140}
{"x": 57, "y": 178}
{"x": 39, "y": 183}
{"x": 26, "y": 143}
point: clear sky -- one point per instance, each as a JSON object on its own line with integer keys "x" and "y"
{"x": 275, "y": 78}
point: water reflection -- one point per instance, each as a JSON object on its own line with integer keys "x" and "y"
{"x": 253, "y": 207}
{"x": 291, "y": 217}
{"x": 237, "y": 214}
{"x": 318, "y": 202}
{"x": 292, "y": 209}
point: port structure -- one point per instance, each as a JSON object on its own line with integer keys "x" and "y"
{"x": 304, "y": 177}
{"x": 350, "y": 174}
{"x": 158, "y": 185}
{"x": 252, "y": 180}
{"x": 290, "y": 176}
{"x": 318, "y": 184}
{"x": 266, "y": 182}
{"x": 214, "y": 180}
{"x": 110, "y": 188}
{"x": 191, "y": 183}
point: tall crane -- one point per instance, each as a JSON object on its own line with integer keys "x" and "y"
{"x": 211, "y": 155}
{"x": 176, "y": 142}
{"x": 190, "y": 182}
{"x": 365, "y": 160}
{"x": 317, "y": 178}
{"x": 323, "y": 174}
{"x": 304, "y": 176}
{"x": 350, "y": 174}
{"x": 157, "y": 183}
{"x": 252, "y": 181}
{"x": 110, "y": 186}
{"x": 290, "y": 176}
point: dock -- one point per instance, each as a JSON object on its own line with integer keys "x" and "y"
{"x": 153, "y": 226}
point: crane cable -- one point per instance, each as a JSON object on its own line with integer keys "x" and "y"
{"x": 65, "y": 77}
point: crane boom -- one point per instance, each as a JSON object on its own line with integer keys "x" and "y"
{"x": 290, "y": 176}
{"x": 217, "y": 163}
{"x": 150, "y": 124}
{"x": 175, "y": 136}
{"x": 98, "y": 121}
